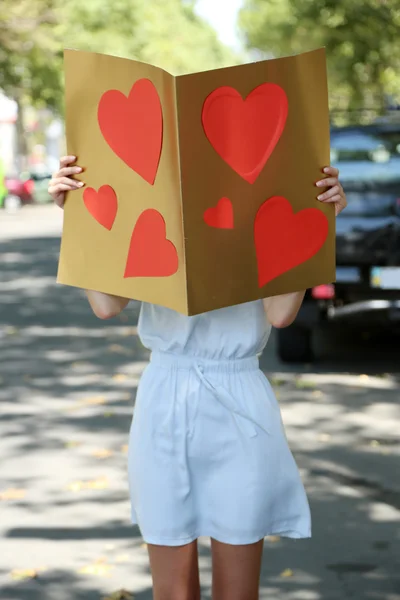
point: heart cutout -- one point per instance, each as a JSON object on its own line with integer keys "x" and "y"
{"x": 284, "y": 239}
{"x": 133, "y": 127}
{"x": 245, "y": 132}
{"x": 102, "y": 205}
{"x": 221, "y": 215}
{"x": 150, "y": 253}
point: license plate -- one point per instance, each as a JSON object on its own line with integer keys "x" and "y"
{"x": 348, "y": 275}
{"x": 385, "y": 278}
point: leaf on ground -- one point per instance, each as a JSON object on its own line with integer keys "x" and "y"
{"x": 72, "y": 444}
{"x": 304, "y": 384}
{"x": 317, "y": 394}
{"x": 91, "y": 401}
{"x": 11, "y": 330}
{"x": 102, "y": 453}
{"x": 94, "y": 484}
{"x": 273, "y": 538}
{"x": 276, "y": 381}
{"x": 124, "y": 448}
{"x": 120, "y": 377}
{"x": 120, "y": 595}
{"x": 324, "y": 437}
{"x": 287, "y": 573}
{"x": 126, "y": 396}
{"x": 94, "y": 400}
{"x": 22, "y": 574}
{"x": 364, "y": 377}
{"x": 118, "y": 349}
{"x": 13, "y": 494}
{"x": 99, "y": 568}
{"x": 123, "y": 558}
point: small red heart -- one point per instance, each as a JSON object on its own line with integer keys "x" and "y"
{"x": 133, "y": 127}
{"x": 245, "y": 132}
{"x": 151, "y": 254}
{"x": 221, "y": 215}
{"x": 283, "y": 239}
{"x": 102, "y": 205}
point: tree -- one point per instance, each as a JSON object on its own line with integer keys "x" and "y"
{"x": 360, "y": 36}
{"x": 167, "y": 33}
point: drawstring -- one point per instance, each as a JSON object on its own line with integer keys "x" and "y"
{"x": 245, "y": 422}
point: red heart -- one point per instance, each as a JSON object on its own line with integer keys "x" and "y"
{"x": 150, "y": 253}
{"x": 285, "y": 240}
{"x": 133, "y": 127}
{"x": 102, "y": 205}
{"x": 221, "y": 215}
{"x": 245, "y": 132}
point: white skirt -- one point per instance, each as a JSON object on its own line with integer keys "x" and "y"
{"x": 208, "y": 455}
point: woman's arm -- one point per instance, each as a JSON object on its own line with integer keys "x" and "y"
{"x": 106, "y": 306}
{"x": 282, "y": 310}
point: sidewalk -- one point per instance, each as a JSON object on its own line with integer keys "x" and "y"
{"x": 67, "y": 386}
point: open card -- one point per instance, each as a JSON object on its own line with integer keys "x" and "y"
{"x": 200, "y": 189}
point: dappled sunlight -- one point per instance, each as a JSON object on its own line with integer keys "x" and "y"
{"x": 67, "y": 391}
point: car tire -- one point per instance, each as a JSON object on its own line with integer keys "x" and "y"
{"x": 12, "y": 203}
{"x": 295, "y": 344}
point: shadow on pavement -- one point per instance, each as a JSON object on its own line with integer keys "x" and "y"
{"x": 67, "y": 387}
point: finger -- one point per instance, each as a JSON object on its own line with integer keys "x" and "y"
{"x": 54, "y": 190}
{"x": 331, "y": 171}
{"x": 337, "y": 198}
{"x": 74, "y": 183}
{"x": 331, "y": 192}
{"x": 330, "y": 182}
{"x": 66, "y": 171}
{"x": 61, "y": 187}
{"x": 67, "y": 160}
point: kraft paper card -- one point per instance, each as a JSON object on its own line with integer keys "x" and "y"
{"x": 200, "y": 189}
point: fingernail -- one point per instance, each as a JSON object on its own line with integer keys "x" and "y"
{"x": 319, "y": 183}
{"x": 78, "y": 169}
{"x": 80, "y": 183}
{"x": 319, "y": 197}
{"x": 326, "y": 169}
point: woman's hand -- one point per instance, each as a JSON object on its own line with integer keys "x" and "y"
{"x": 282, "y": 310}
{"x": 62, "y": 181}
{"x": 335, "y": 192}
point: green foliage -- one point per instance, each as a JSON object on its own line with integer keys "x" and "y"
{"x": 361, "y": 38}
{"x": 33, "y": 34}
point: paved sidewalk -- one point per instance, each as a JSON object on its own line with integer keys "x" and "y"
{"x": 67, "y": 387}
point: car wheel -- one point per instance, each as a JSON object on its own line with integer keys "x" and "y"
{"x": 295, "y": 344}
{"x": 12, "y": 203}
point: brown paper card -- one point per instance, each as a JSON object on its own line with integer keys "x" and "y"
{"x": 184, "y": 165}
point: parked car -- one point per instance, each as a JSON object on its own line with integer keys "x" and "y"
{"x": 367, "y": 287}
{"x": 20, "y": 192}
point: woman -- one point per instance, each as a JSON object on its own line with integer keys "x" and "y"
{"x": 208, "y": 455}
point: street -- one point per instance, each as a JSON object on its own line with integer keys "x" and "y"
{"x": 67, "y": 387}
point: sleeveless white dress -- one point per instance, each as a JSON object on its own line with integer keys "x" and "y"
{"x": 208, "y": 454}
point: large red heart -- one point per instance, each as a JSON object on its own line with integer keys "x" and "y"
{"x": 284, "y": 239}
{"x": 102, "y": 205}
{"x": 245, "y": 132}
{"x": 133, "y": 127}
{"x": 221, "y": 215}
{"x": 150, "y": 253}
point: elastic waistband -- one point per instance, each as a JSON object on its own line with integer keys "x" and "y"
{"x": 183, "y": 361}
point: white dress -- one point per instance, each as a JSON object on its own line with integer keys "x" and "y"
{"x": 208, "y": 455}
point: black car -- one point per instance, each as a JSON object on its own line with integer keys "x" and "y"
{"x": 367, "y": 288}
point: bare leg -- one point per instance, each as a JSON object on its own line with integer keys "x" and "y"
{"x": 175, "y": 572}
{"x": 236, "y": 571}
